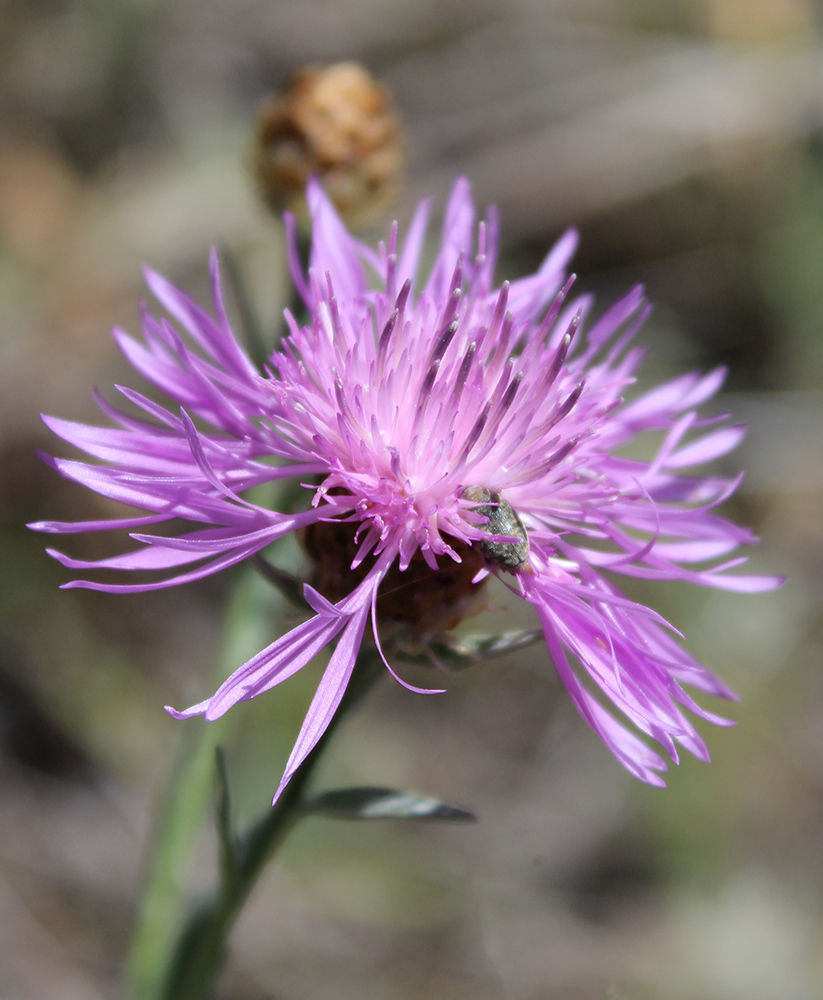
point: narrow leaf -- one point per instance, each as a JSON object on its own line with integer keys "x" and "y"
{"x": 225, "y": 834}
{"x": 384, "y": 803}
{"x": 457, "y": 652}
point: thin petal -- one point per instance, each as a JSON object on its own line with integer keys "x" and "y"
{"x": 410, "y": 258}
{"x": 328, "y": 695}
{"x": 457, "y": 238}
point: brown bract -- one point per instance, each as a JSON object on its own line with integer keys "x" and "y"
{"x": 420, "y": 598}
{"x": 337, "y": 123}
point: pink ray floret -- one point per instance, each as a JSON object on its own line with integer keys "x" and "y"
{"x": 394, "y": 400}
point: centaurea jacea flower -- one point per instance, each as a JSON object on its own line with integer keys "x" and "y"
{"x": 447, "y": 434}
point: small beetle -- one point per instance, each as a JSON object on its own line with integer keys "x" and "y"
{"x": 502, "y": 521}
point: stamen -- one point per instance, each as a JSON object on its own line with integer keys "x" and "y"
{"x": 403, "y": 295}
{"x": 499, "y": 309}
{"x": 560, "y": 354}
{"x": 502, "y": 350}
{"x": 395, "y": 461}
{"x": 511, "y": 392}
{"x": 334, "y": 312}
{"x": 451, "y": 307}
{"x": 554, "y": 309}
{"x": 493, "y": 426}
{"x": 340, "y": 397}
{"x": 476, "y": 431}
{"x": 567, "y": 404}
{"x": 443, "y": 341}
{"x": 503, "y": 380}
{"x": 385, "y": 336}
{"x": 457, "y": 277}
{"x": 562, "y": 452}
{"x": 540, "y": 470}
{"x": 465, "y": 367}
{"x": 428, "y": 382}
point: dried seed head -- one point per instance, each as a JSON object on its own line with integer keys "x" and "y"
{"x": 337, "y": 123}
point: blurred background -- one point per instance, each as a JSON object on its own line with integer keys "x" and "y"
{"x": 685, "y": 139}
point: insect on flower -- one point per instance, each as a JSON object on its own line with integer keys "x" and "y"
{"x": 511, "y": 551}
{"x": 447, "y": 433}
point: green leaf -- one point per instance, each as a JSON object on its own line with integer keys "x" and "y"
{"x": 384, "y": 803}
{"x": 457, "y": 652}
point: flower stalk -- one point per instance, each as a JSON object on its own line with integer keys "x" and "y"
{"x": 251, "y": 607}
{"x": 201, "y": 947}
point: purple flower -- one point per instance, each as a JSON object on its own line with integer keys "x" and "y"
{"x": 459, "y": 424}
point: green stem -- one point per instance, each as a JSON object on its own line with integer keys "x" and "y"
{"x": 201, "y": 946}
{"x": 250, "y": 611}
{"x": 259, "y": 351}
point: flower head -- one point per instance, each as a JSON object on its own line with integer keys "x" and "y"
{"x": 444, "y": 434}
